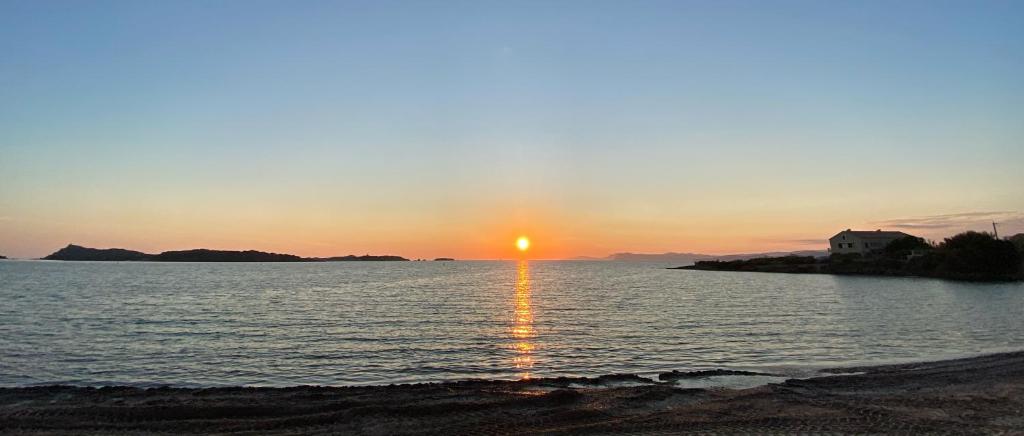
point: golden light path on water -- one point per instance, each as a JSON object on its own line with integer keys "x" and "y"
{"x": 522, "y": 323}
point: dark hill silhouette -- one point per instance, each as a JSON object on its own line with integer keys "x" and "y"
{"x": 76, "y": 252}
{"x": 204, "y": 255}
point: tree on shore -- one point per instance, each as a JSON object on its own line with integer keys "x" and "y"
{"x": 976, "y": 254}
{"x": 905, "y": 245}
{"x": 1018, "y": 241}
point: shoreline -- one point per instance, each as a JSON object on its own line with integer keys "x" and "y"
{"x": 975, "y": 394}
{"x": 819, "y": 271}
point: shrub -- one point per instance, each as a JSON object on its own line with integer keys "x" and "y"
{"x": 1018, "y": 241}
{"x": 978, "y": 254}
{"x": 905, "y": 245}
{"x": 844, "y": 257}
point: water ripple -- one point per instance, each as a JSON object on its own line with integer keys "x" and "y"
{"x": 370, "y": 323}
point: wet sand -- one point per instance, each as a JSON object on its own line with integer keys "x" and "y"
{"x": 975, "y": 395}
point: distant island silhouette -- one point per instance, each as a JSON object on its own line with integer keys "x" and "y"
{"x": 351, "y": 258}
{"x": 690, "y": 258}
{"x": 444, "y": 259}
{"x": 77, "y": 252}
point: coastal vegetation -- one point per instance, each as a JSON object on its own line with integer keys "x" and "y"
{"x": 971, "y": 256}
{"x": 76, "y": 252}
{"x": 1018, "y": 241}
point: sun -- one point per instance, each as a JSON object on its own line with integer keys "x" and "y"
{"x": 523, "y": 243}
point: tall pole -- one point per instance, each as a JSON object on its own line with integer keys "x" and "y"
{"x": 994, "y": 231}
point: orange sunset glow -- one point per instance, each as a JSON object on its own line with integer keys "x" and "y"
{"x": 690, "y": 162}
{"x": 464, "y": 217}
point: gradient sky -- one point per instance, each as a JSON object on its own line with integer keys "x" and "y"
{"x": 448, "y": 128}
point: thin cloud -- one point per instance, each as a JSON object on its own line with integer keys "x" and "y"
{"x": 953, "y": 221}
{"x": 805, "y": 241}
{"x": 902, "y": 225}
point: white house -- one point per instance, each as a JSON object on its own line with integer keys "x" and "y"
{"x": 862, "y": 241}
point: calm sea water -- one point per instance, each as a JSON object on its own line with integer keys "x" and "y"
{"x": 375, "y": 323}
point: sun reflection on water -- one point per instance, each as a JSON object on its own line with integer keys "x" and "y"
{"x": 522, "y": 323}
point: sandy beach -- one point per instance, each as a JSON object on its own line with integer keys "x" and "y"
{"x": 974, "y": 395}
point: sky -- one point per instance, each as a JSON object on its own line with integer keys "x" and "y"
{"x": 430, "y": 129}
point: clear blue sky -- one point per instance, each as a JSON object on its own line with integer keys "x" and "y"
{"x": 442, "y": 128}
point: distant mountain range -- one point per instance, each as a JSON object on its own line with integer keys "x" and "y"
{"x": 76, "y": 252}
{"x": 690, "y": 258}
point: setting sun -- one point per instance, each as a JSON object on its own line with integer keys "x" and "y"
{"x": 523, "y": 243}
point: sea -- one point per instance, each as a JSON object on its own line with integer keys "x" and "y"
{"x": 372, "y": 323}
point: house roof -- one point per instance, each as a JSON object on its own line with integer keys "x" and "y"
{"x": 873, "y": 233}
